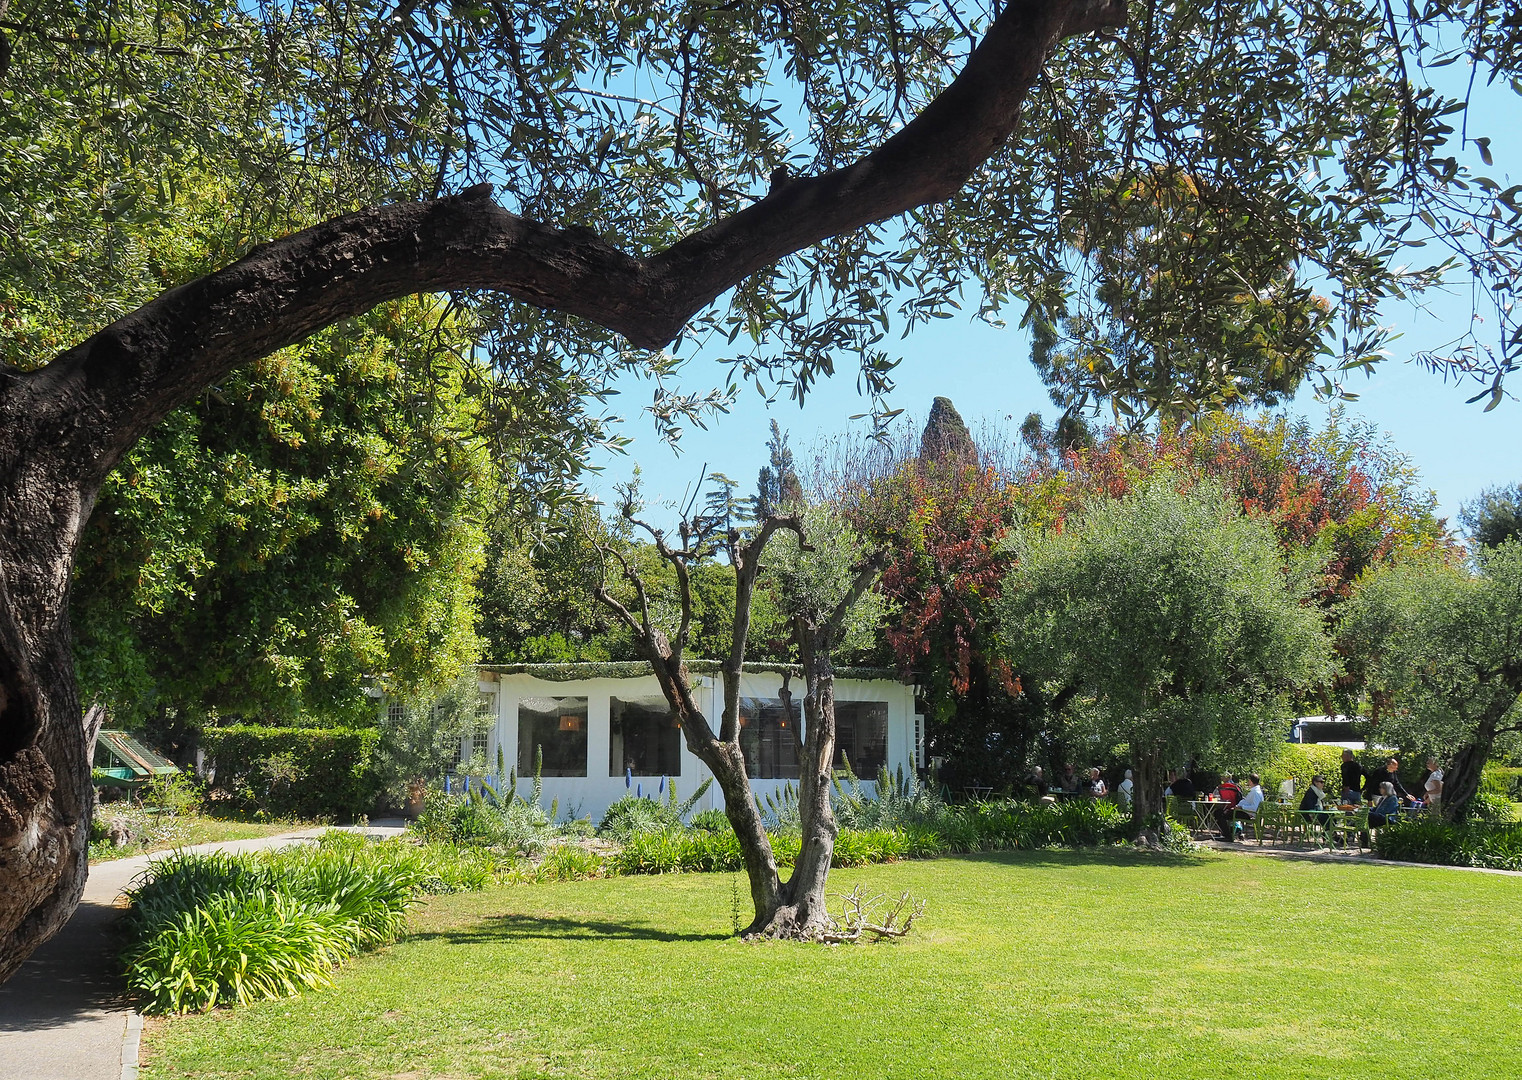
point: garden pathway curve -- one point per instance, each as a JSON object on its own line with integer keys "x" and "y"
{"x": 64, "y": 1015}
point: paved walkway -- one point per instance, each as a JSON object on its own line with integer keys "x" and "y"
{"x": 64, "y": 1016}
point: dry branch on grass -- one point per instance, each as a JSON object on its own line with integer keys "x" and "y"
{"x": 860, "y": 919}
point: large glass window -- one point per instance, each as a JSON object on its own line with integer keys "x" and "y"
{"x": 559, "y": 725}
{"x": 766, "y": 739}
{"x": 644, "y": 738}
{"x": 861, "y": 734}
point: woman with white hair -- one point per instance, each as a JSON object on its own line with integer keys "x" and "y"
{"x": 1388, "y": 807}
{"x": 1123, "y": 790}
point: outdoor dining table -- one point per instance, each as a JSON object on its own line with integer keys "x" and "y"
{"x": 1204, "y": 812}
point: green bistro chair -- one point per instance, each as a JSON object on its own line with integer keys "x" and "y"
{"x": 1354, "y": 824}
{"x": 1291, "y": 824}
{"x": 1267, "y": 820}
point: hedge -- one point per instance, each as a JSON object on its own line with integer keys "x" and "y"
{"x": 297, "y": 772}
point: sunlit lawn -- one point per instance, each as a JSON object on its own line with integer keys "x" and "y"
{"x": 1027, "y": 965}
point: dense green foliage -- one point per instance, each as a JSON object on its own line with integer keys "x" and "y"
{"x": 1169, "y": 617}
{"x": 209, "y": 929}
{"x": 1443, "y": 645}
{"x": 305, "y": 772}
{"x": 1430, "y": 839}
{"x": 315, "y": 521}
{"x": 1495, "y": 515}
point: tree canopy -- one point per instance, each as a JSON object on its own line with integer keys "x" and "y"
{"x": 1443, "y": 643}
{"x": 1171, "y": 614}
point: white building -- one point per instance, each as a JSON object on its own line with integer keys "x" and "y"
{"x": 605, "y": 729}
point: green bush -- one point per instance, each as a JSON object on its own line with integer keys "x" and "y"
{"x": 633, "y": 814}
{"x": 216, "y": 928}
{"x": 1429, "y": 839}
{"x": 296, "y": 772}
{"x": 711, "y": 821}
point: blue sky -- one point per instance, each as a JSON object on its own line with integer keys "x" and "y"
{"x": 987, "y": 373}
{"x": 1458, "y": 448}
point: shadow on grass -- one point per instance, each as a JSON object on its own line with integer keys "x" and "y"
{"x": 497, "y": 928}
{"x": 1080, "y": 857}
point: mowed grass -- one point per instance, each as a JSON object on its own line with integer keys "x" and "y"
{"x": 1044, "y": 964}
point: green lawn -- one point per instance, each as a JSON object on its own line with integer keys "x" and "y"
{"x": 1045, "y": 964}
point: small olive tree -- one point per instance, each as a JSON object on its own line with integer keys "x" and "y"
{"x": 821, "y": 572}
{"x": 421, "y": 736}
{"x": 1443, "y": 646}
{"x": 1169, "y": 620}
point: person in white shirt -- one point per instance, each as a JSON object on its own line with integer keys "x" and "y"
{"x": 1433, "y": 786}
{"x": 1287, "y": 790}
{"x": 1123, "y": 791}
{"x": 1248, "y": 806}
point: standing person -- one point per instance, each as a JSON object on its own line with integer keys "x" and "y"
{"x": 1391, "y": 776}
{"x": 1432, "y": 784}
{"x": 1352, "y": 776}
{"x": 1123, "y": 791}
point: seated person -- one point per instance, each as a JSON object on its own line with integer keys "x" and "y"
{"x": 1351, "y": 799}
{"x": 1287, "y": 789}
{"x": 1388, "y": 807}
{"x": 1228, "y": 792}
{"x": 1248, "y": 806}
{"x": 1315, "y": 797}
{"x": 1035, "y": 783}
{"x": 1094, "y": 787}
{"x": 1069, "y": 780}
{"x": 1180, "y": 786}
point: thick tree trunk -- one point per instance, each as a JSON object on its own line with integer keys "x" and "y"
{"x": 45, "y": 743}
{"x": 802, "y": 908}
{"x": 1462, "y": 782}
{"x": 1146, "y": 789}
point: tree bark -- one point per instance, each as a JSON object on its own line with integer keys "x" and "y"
{"x": 1461, "y": 783}
{"x": 65, "y": 425}
{"x": 1146, "y": 788}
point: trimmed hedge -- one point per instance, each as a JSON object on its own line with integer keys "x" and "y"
{"x": 296, "y": 772}
{"x": 1304, "y": 760}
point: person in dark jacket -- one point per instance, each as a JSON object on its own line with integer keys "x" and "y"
{"x": 1390, "y": 775}
{"x": 1180, "y": 786}
{"x": 1315, "y": 797}
{"x": 1388, "y": 808}
{"x": 1352, "y": 775}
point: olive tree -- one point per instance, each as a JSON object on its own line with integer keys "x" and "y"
{"x": 821, "y": 573}
{"x": 1442, "y": 642}
{"x": 1170, "y": 620}
{"x": 1157, "y": 189}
